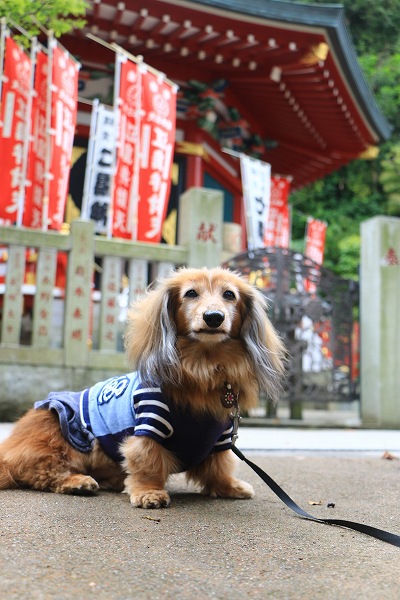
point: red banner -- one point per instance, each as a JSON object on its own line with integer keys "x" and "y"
{"x": 14, "y": 101}
{"x": 146, "y": 136}
{"x": 34, "y": 192}
{"x": 315, "y": 240}
{"x": 126, "y": 173}
{"x": 278, "y": 228}
{"x": 314, "y": 249}
{"x": 63, "y": 121}
{"x": 156, "y": 155}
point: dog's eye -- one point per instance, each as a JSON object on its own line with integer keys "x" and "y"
{"x": 228, "y": 295}
{"x": 191, "y": 294}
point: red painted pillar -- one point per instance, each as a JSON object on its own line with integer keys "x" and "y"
{"x": 194, "y": 171}
{"x": 195, "y": 168}
{"x": 240, "y": 217}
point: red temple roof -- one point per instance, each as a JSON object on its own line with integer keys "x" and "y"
{"x": 290, "y": 70}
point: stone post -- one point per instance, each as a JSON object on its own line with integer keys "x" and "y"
{"x": 380, "y": 322}
{"x": 200, "y": 226}
{"x": 78, "y": 294}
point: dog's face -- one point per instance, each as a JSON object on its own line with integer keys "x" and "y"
{"x": 204, "y": 320}
{"x": 208, "y": 306}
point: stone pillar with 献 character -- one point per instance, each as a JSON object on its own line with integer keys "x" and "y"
{"x": 200, "y": 226}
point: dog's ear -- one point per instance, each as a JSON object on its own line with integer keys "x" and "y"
{"x": 150, "y": 336}
{"x": 262, "y": 342}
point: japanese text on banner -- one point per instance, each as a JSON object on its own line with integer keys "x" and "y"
{"x": 277, "y": 233}
{"x": 156, "y": 155}
{"x": 256, "y": 182}
{"x": 99, "y": 168}
{"x": 33, "y": 207}
{"x": 63, "y": 121}
{"x": 315, "y": 240}
{"x": 14, "y": 101}
{"x": 314, "y": 249}
{"x": 128, "y": 104}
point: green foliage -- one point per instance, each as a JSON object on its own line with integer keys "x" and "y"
{"x": 58, "y": 15}
{"x": 383, "y": 75}
{"x": 349, "y": 256}
{"x": 343, "y": 200}
{"x": 374, "y": 25}
{"x": 390, "y": 179}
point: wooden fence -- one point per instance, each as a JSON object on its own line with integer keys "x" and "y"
{"x": 80, "y": 323}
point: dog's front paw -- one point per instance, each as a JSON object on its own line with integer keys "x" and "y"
{"x": 233, "y": 489}
{"x": 150, "y": 499}
{"x": 78, "y": 484}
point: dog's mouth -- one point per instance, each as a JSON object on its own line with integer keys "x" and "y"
{"x": 210, "y": 332}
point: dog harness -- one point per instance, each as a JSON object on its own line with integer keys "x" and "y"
{"x": 122, "y": 406}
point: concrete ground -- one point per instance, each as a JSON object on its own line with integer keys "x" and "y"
{"x": 63, "y": 547}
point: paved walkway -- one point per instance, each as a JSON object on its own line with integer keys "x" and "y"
{"x": 55, "y": 547}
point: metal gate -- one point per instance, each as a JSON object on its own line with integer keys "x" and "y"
{"x": 315, "y": 312}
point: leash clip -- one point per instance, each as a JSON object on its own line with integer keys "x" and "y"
{"x": 236, "y": 418}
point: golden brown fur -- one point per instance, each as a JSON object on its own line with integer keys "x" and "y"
{"x": 37, "y": 456}
{"x": 192, "y": 333}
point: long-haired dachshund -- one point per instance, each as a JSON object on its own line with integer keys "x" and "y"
{"x": 201, "y": 343}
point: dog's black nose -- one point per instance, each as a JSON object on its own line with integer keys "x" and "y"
{"x": 213, "y": 318}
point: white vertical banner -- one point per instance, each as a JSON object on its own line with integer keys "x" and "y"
{"x": 99, "y": 167}
{"x": 256, "y": 183}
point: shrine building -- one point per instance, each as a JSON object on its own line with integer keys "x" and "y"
{"x": 274, "y": 79}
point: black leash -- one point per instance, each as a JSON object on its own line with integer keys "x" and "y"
{"x": 380, "y": 534}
